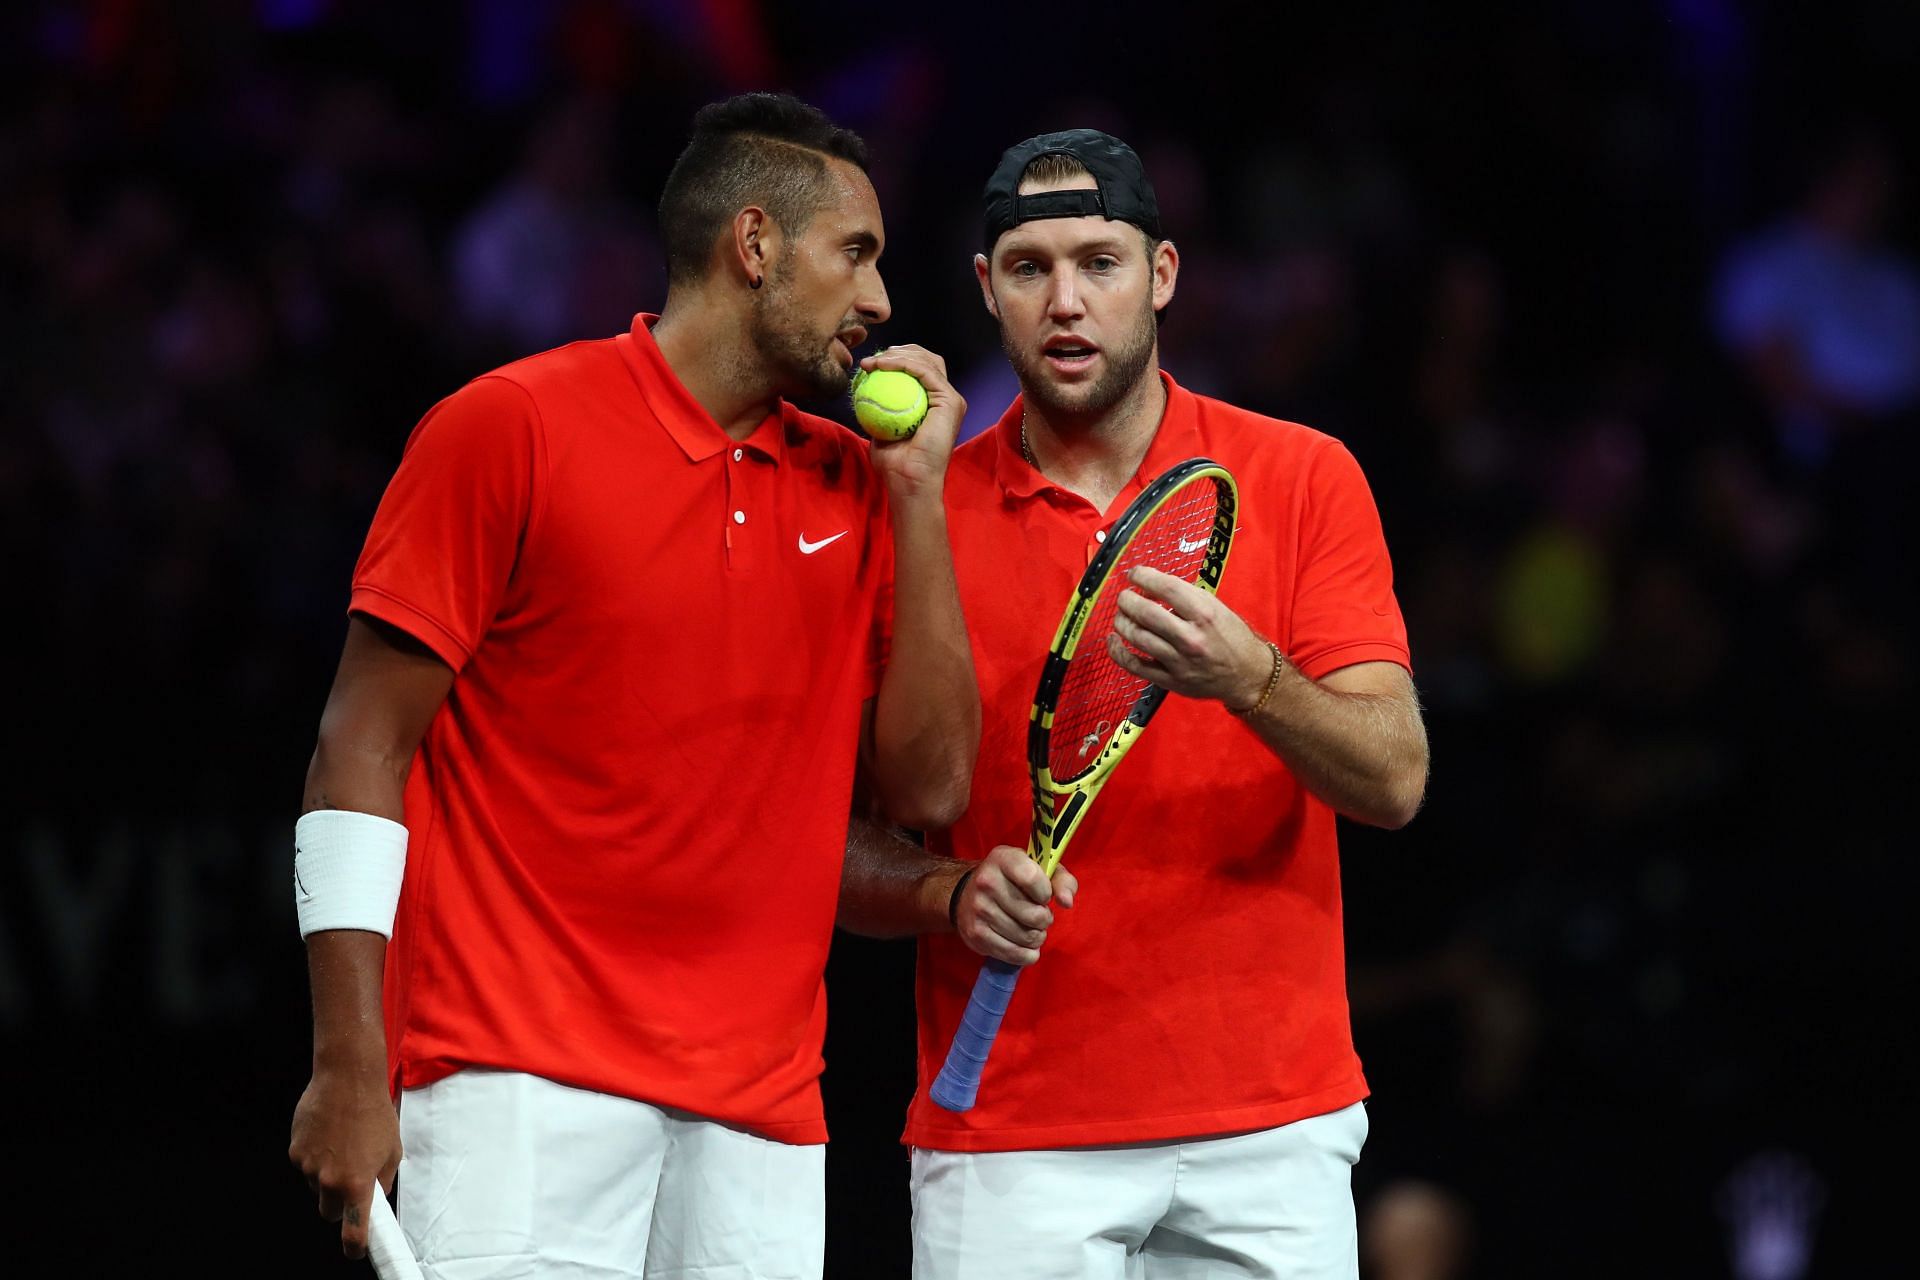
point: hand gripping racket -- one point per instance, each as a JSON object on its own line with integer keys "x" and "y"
{"x": 1089, "y": 709}
{"x": 386, "y": 1246}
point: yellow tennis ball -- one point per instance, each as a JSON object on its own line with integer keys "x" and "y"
{"x": 889, "y": 404}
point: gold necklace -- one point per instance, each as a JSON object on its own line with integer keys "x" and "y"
{"x": 1026, "y": 450}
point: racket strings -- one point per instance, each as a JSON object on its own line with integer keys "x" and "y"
{"x": 1097, "y": 693}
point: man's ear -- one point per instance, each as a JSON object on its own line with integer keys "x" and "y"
{"x": 1166, "y": 273}
{"x": 754, "y": 246}
{"x": 984, "y": 274}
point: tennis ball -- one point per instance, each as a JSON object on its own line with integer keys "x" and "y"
{"x": 889, "y": 404}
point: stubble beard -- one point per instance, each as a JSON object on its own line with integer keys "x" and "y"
{"x": 1124, "y": 366}
{"x": 796, "y": 355}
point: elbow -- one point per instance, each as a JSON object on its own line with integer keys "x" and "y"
{"x": 925, "y": 784}
{"x": 1397, "y": 816}
{"x": 928, "y": 798}
{"x": 932, "y": 805}
{"x": 1405, "y": 793}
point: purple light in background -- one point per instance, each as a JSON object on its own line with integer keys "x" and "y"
{"x": 1711, "y": 54}
{"x": 290, "y": 15}
{"x": 506, "y": 49}
{"x": 62, "y": 33}
{"x": 729, "y": 37}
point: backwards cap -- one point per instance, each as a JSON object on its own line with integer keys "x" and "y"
{"x": 1121, "y": 190}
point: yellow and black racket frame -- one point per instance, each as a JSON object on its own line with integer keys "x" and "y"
{"x": 1051, "y": 831}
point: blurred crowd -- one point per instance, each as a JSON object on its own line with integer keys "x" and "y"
{"x": 1630, "y": 354}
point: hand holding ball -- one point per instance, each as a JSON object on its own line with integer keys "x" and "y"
{"x": 889, "y": 404}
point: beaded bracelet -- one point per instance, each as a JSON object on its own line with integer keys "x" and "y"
{"x": 1273, "y": 682}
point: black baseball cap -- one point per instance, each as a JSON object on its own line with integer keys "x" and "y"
{"x": 1121, "y": 192}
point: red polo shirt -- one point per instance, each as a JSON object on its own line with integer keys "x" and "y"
{"x": 1198, "y": 986}
{"x": 627, "y": 821}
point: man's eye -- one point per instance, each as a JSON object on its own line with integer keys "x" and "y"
{"x": 1026, "y": 268}
{"x": 1104, "y": 263}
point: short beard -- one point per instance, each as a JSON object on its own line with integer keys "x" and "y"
{"x": 1125, "y": 366}
{"x": 797, "y": 358}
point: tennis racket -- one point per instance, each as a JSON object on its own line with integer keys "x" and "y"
{"x": 1089, "y": 709}
{"x": 386, "y": 1246}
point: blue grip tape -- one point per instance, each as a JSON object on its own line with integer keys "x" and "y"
{"x": 959, "y": 1080}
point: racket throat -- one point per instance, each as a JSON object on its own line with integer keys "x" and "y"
{"x": 1051, "y": 831}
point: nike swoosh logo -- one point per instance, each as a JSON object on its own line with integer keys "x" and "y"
{"x": 1193, "y": 546}
{"x": 808, "y": 548}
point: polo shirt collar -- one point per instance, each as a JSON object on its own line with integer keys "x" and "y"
{"x": 1175, "y": 440}
{"x": 684, "y": 418}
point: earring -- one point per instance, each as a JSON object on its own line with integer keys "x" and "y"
{"x": 756, "y": 283}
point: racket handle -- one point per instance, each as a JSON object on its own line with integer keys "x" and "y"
{"x": 386, "y": 1245}
{"x": 959, "y": 1080}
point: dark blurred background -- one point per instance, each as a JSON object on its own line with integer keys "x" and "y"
{"x": 1615, "y": 301}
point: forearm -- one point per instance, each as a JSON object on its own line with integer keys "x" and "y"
{"x": 927, "y": 713}
{"x": 360, "y": 778}
{"x": 892, "y": 888}
{"x": 1364, "y": 754}
{"x": 344, "y": 967}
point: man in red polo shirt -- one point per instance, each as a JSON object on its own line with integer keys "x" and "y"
{"x": 622, "y": 625}
{"x": 1174, "y": 1091}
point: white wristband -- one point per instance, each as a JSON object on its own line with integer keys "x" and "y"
{"x": 346, "y": 871}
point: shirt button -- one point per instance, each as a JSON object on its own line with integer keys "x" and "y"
{"x": 739, "y": 454}
{"x": 739, "y": 517}
{"x": 1100, "y": 535}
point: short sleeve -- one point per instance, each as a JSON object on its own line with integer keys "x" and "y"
{"x": 450, "y": 526}
{"x": 1343, "y": 610}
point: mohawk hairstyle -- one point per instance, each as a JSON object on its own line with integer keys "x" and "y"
{"x": 765, "y": 149}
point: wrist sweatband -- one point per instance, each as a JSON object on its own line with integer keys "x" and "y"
{"x": 346, "y": 871}
{"x": 953, "y": 899}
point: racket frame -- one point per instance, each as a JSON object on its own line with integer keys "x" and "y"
{"x": 1054, "y": 823}
{"x": 957, "y": 1084}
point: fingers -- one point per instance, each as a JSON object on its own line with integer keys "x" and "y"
{"x": 1148, "y": 634}
{"x": 1003, "y": 912}
{"x": 1019, "y": 870}
{"x": 926, "y": 365}
{"x": 1066, "y": 887}
{"x": 945, "y": 406}
{"x": 997, "y": 935}
{"x": 1009, "y": 880}
{"x": 1176, "y": 593}
{"x": 1174, "y": 634}
{"x": 928, "y": 368}
{"x": 1128, "y": 660}
{"x": 329, "y": 1201}
{"x": 346, "y": 1139}
{"x": 353, "y": 1221}
{"x": 349, "y": 1208}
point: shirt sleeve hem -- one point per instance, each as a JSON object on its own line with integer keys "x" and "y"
{"x": 375, "y": 603}
{"x": 1324, "y": 661}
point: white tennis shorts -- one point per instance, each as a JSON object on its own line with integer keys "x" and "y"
{"x": 509, "y": 1176}
{"x": 1275, "y": 1203}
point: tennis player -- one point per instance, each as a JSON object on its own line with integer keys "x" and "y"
{"x": 623, "y": 623}
{"x": 1174, "y": 1091}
